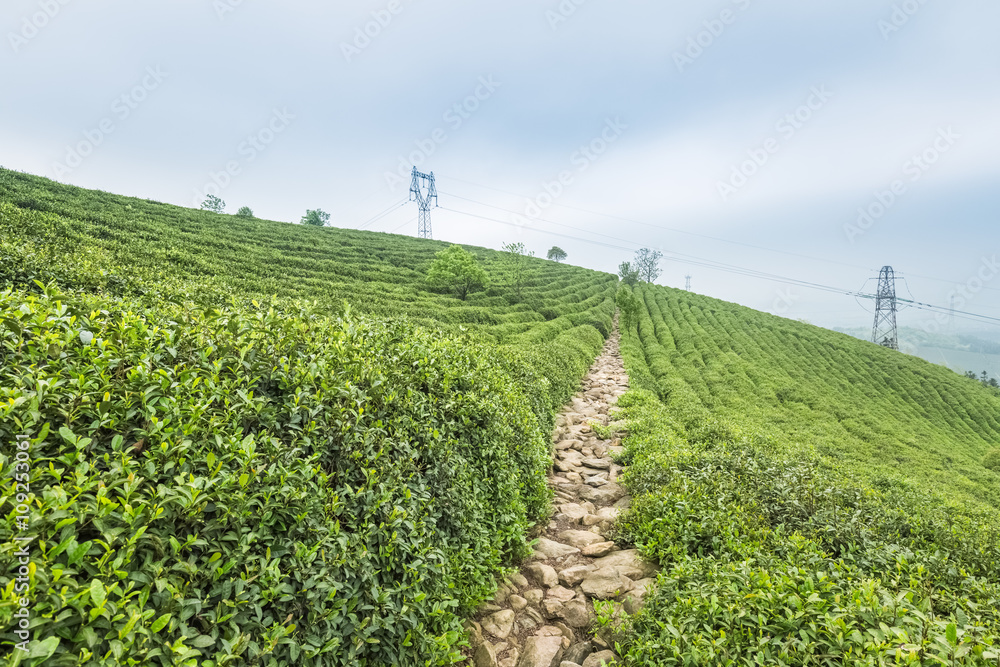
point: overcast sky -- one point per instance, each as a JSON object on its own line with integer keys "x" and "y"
{"x": 746, "y": 133}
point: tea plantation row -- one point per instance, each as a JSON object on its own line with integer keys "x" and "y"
{"x": 813, "y": 499}
{"x": 254, "y": 443}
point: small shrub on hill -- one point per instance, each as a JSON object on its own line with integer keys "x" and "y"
{"x": 992, "y": 460}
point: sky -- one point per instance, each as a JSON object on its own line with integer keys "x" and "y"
{"x": 811, "y": 141}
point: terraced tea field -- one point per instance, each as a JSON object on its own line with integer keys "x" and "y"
{"x": 812, "y": 498}
{"x": 261, "y": 443}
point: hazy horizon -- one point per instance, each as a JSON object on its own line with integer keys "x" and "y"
{"x": 816, "y": 143}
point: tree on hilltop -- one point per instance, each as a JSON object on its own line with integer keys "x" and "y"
{"x": 456, "y": 269}
{"x": 647, "y": 263}
{"x": 556, "y": 254}
{"x": 628, "y": 305}
{"x": 316, "y": 218}
{"x": 515, "y": 270}
{"x": 628, "y": 274}
{"x": 213, "y": 204}
{"x": 244, "y": 212}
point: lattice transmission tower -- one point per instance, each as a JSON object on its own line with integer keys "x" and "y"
{"x": 424, "y": 200}
{"x": 687, "y": 283}
{"x": 884, "y": 333}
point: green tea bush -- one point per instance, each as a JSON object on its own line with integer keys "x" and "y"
{"x": 812, "y": 499}
{"x": 261, "y": 485}
{"x": 992, "y": 460}
{"x": 773, "y": 559}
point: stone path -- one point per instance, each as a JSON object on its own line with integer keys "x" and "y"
{"x": 542, "y": 617}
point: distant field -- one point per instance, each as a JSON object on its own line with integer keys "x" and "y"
{"x": 959, "y": 353}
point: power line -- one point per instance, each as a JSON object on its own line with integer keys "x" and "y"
{"x": 721, "y": 266}
{"x": 675, "y": 256}
{"x": 689, "y": 233}
{"x": 382, "y": 214}
{"x": 671, "y": 229}
{"x": 408, "y": 222}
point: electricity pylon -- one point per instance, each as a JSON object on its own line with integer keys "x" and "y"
{"x": 884, "y": 333}
{"x": 687, "y": 283}
{"x": 424, "y": 201}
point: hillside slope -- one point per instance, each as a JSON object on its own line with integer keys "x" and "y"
{"x": 879, "y": 413}
{"x": 813, "y": 499}
{"x": 244, "y": 442}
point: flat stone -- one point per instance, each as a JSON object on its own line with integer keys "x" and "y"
{"x": 551, "y": 549}
{"x": 608, "y": 513}
{"x": 591, "y": 520}
{"x": 599, "y": 659}
{"x": 628, "y": 563}
{"x": 606, "y": 584}
{"x": 543, "y": 574}
{"x": 518, "y": 580}
{"x": 605, "y": 495}
{"x": 598, "y": 549}
{"x": 534, "y": 596}
{"x": 577, "y": 614}
{"x": 499, "y": 624}
{"x": 561, "y": 594}
{"x": 542, "y": 652}
{"x": 571, "y": 576}
{"x": 579, "y": 538}
{"x": 573, "y": 511}
{"x": 517, "y": 602}
{"x": 551, "y": 608}
{"x": 597, "y": 464}
{"x": 575, "y": 477}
